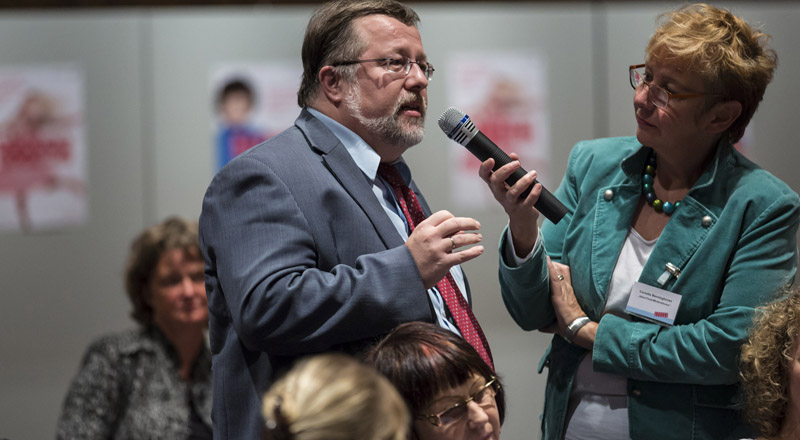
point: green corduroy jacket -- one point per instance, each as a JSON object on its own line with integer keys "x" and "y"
{"x": 733, "y": 239}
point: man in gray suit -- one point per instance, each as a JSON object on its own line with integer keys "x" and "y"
{"x": 306, "y": 247}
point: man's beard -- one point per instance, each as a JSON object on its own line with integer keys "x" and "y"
{"x": 389, "y": 128}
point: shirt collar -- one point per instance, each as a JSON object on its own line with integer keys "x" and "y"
{"x": 364, "y": 156}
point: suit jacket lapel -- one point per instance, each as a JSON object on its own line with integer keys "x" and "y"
{"x": 617, "y": 210}
{"x": 690, "y": 224}
{"x": 344, "y": 169}
{"x": 607, "y": 241}
{"x": 684, "y": 234}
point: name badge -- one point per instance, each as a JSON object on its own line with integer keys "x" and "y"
{"x": 653, "y": 304}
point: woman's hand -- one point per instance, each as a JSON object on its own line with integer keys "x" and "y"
{"x": 522, "y": 216}
{"x": 566, "y": 305}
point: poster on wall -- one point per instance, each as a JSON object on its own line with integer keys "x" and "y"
{"x": 252, "y": 102}
{"x": 43, "y": 172}
{"x": 505, "y": 95}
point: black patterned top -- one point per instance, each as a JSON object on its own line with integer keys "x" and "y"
{"x": 129, "y": 387}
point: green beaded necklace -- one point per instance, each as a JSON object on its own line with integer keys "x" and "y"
{"x": 648, "y": 177}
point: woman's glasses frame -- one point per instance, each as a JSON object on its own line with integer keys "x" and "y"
{"x": 656, "y": 94}
{"x": 459, "y": 410}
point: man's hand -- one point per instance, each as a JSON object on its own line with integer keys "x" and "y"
{"x": 522, "y": 216}
{"x": 434, "y": 244}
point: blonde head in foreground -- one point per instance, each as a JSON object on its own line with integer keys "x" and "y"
{"x": 334, "y": 397}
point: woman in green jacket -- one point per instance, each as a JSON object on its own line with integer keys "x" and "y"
{"x": 673, "y": 238}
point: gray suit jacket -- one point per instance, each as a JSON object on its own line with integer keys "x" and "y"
{"x": 300, "y": 259}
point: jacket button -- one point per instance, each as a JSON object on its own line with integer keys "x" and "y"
{"x": 706, "y": 221}
{"x": 636, "y": 392}
{"x": 608, "y": 195}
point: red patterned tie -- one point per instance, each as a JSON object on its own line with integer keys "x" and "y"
{"x": 458, "y": 306}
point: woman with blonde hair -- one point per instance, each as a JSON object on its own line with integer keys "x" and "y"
{"x": 672, "y": 239}
{"x": 334, "y": 397}
{"x": 770, "y": 370}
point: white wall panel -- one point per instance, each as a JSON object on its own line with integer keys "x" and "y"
{"x": 60, "y": 289}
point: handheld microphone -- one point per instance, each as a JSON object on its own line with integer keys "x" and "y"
{"x": 459, "y": 127}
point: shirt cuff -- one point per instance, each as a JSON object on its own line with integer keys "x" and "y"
{"x": 511, "y": 255}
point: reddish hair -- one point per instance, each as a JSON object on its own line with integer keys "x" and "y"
{"x": 423, "y": 359}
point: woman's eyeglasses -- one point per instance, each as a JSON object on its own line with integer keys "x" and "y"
{"x": 657, "y": 95}
{"x": 484, "y": 397}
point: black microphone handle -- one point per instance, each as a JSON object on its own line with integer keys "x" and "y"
{"x": 547, "y": 204}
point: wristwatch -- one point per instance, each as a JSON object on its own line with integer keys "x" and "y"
{"x": 574, "y": 326}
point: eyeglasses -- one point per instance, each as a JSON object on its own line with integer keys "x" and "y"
{"x": 394, "y": 65}
{"x": 657, "y": 95}
{"x": 484, "y": 397}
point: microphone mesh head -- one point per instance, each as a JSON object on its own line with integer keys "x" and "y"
{"x": 450, "y": 119}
